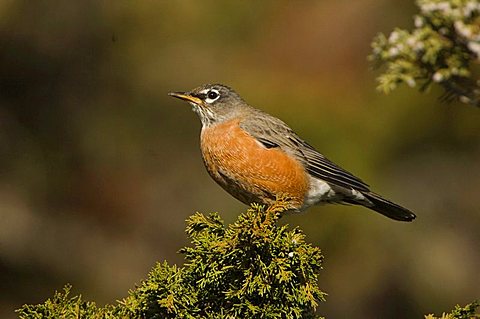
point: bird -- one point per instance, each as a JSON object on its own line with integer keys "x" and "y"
{"x": 257, "y": 158}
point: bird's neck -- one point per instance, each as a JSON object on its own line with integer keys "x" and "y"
{"x": 209, "y": 118}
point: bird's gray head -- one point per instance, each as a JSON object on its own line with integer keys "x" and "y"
{"x": 213, "y": 103}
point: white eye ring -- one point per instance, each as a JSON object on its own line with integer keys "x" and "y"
{"x": 212, "y": 96}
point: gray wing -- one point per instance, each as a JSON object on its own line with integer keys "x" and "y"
{"x": 272, "y": 132}
{"x": 321, "y": 167}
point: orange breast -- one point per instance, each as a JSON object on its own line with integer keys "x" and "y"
{"x": 248, "y": 170}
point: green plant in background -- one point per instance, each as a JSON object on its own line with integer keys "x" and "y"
{"x": 442, "y": 48}
{"x": 251, "y": 268}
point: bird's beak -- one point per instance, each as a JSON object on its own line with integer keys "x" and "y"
{"x": 186, "y": 97}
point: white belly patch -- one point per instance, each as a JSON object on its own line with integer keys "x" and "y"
{"x": 319, "y": 192}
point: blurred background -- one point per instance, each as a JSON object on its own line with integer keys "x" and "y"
{"x": 99, "y": 168}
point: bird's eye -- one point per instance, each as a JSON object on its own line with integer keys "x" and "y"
{"x": 212, "y": 95}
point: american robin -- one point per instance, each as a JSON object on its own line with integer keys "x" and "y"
{"x": 257, "y": 158}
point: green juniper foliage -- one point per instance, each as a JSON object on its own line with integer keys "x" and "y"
{"x": 250, "y": 269}
{"x": 62, "y": 306}
{"x": 467, "y": 312}
{"x": 442, "y": 48}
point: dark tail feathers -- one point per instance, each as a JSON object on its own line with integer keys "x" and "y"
{"x": 387, "y": 208}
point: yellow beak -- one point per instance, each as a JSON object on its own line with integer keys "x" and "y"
{"x": 186, "y": 97}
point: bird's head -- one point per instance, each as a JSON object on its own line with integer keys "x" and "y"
{"x": 214, "y": 103}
